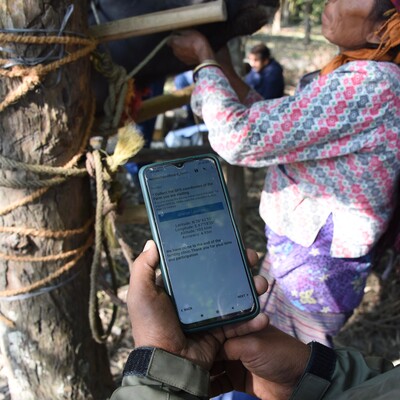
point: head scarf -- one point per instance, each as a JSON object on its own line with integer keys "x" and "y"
{"x": 389, "y": 33}
{"x": 396, "y": 4}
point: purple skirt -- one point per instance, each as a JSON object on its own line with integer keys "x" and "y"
{"x": 313, "y": 280}
{"x": 311, "y": 293}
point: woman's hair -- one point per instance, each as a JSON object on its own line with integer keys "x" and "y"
{"x": 380, "y": 10}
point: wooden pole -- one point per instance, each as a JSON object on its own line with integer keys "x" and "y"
{"x": 161, "y": 21}
{"x": 160, "y": 104}
{"x": 46, "y": 347}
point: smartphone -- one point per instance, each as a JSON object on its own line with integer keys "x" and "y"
{"x": 202, "y": 258}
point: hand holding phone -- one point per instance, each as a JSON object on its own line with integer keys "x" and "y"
{"x": 202, "y": 259}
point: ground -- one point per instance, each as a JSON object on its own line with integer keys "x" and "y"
{"x": 375, "y": 326}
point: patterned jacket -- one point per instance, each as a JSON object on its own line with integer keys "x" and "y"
{"x": 332, "y": 148}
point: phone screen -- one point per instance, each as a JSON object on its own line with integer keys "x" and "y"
{"x": 199, "y": 244}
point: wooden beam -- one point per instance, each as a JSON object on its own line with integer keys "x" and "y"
{"x": 177, "y": 18}
{"x": 160, "y": 104}
{"x": 134, "y": 214}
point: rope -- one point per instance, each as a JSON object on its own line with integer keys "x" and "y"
{"x": 9, "y": 164}
{"x": 93, "y": 302}
{"x": 69, "y": 171}
{"x": 47, "y": 233}
{"x": 32, "y": 76}
{"x": 118, "y": 85}
{"x": 37, "y": 194}
{"x": 41, "y": 291}
{"x": 33, "y": 183}
{"x": 34, "y": 259}
{"x": 7, "y": 321}
{"x": 43, "y": 282}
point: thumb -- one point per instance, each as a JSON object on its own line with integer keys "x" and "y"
{"x": 143, "y": 270}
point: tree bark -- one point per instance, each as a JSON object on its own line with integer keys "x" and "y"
{"x": 307, "y": 21}
{"x": 48, "y": 353}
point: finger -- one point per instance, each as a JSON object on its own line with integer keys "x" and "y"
{"x": 254, "y": 325}
{"x": 144, "y": 268}
{"x": 160, "y": 281}
{"x": 261, "y": 284}
{"x": 252, "y": 257}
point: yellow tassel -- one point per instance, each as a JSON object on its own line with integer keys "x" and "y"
{"x": 129, "y": 143}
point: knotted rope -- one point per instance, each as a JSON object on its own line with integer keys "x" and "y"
{"x": 119, "y": 82}
{"x": 128, "y": 145}
{"x": 69, "y": 169}
{"x": 32, "y": 76}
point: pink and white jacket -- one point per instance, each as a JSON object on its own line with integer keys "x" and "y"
{"x": 332, "y": 148}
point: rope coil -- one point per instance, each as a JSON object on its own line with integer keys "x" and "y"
{"x": 30, "y": 77}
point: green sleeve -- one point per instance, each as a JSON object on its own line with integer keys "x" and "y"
{"x": 168, "y": 377}
{"x": 354, "y": 377}
{"x": 353, "y": 369}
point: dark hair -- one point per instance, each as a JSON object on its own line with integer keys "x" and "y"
{"x": 381, "y": 7}
{"x": 261, "y": 50}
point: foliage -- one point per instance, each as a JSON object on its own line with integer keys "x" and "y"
{"x": 296, "y": 10}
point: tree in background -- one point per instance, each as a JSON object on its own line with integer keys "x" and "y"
{"x": 294, "y": 12}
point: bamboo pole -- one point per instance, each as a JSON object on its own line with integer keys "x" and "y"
{"x": 161, "y": 21}
{"x": 160, "y": 104}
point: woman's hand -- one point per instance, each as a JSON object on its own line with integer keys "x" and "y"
{"x": 191, "y": 47}
{"x": 155, "y": 322}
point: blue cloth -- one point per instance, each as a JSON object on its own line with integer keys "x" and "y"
{"x": 234, "y": 396}
{"x": 269, "y": 82}
{"x": 184, "y": 79}
{"x": 181, "y": 81}
{"x": 189, "y": 136}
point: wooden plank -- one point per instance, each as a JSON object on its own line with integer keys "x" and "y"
{"x": 157, "y": 105}
{"x": 134, "y": 214}
{"x": 177, "y": 18}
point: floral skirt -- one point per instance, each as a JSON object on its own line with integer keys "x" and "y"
{"x": 311, "y": 294}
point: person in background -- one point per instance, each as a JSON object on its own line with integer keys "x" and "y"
{"x": 252, "y": 356}
{"x": 266, "y": 74}
{"x": 333, "y": 157}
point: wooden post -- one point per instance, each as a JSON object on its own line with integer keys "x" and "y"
{"x": 160, "y": 104}
{"x": 161, "y": 21}
{"x": 45, "y": 342}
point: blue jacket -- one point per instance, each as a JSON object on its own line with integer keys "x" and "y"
{"x": 269, "y": 82}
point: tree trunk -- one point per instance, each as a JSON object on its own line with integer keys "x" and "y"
{"x": 276, "y": 24}
{"x": 46, "y": 348}
{"x": 285, "y": 10}
{"x": 307, "y": 21}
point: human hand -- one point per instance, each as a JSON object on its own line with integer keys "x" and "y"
{"x": 155, "y": 322}
{"x": 267, "y": 364}
{"x": 191, "y": 47}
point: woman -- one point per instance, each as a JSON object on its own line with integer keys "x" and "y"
{"x": 333, "y": 155}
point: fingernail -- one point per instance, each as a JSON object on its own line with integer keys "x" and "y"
{"x": 147, "y": 246}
